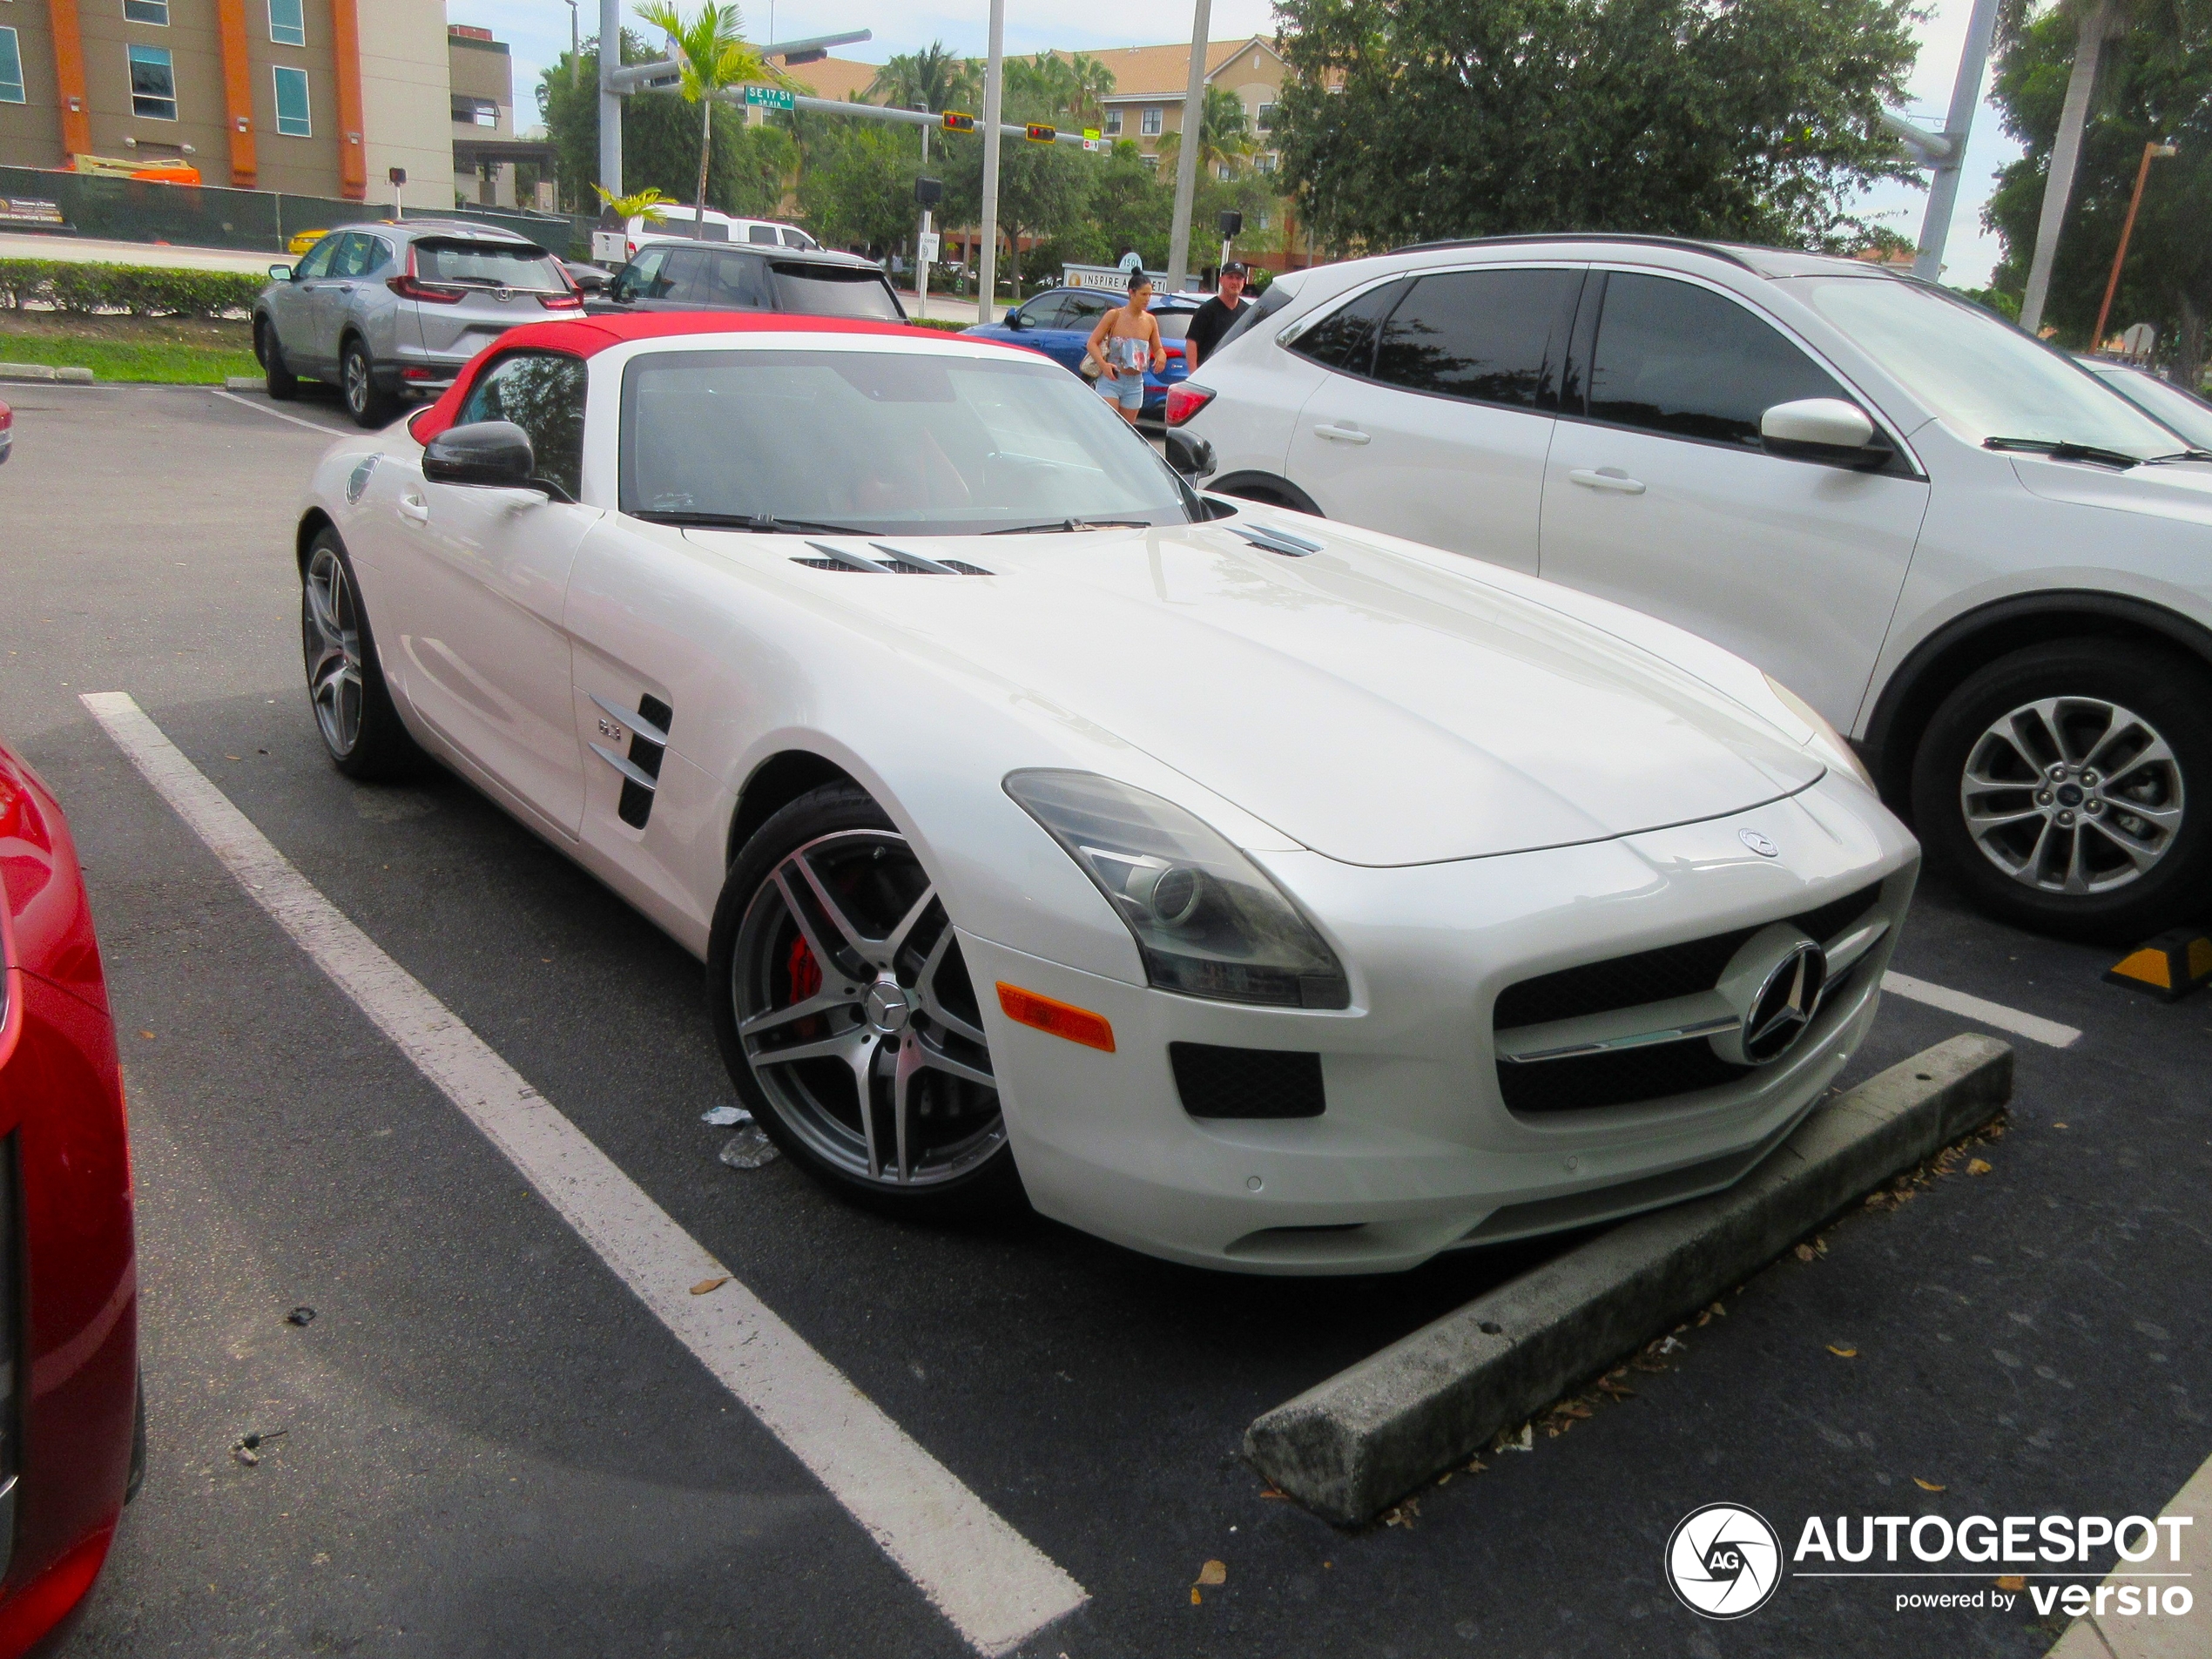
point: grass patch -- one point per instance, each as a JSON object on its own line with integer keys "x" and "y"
{"x": 170, "y": 351}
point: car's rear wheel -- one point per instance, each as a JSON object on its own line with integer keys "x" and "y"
{"x": 369, "y": 403}
{"x": 283, "y": 384}
{"x": 2068, "y": 788}
{"x": 354, "y": 712}
{"x": 846, "y": 1018}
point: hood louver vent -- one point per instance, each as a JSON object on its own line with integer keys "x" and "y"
{"x": 895, "y": 561}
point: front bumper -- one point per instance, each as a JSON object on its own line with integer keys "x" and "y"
{"x": 1417, "y": 1151}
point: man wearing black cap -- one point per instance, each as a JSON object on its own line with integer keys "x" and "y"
{"x": 1216, "y": 317}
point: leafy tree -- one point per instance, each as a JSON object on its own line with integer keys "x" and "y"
{"x": 856, "y": 183}
{"x": 660, "y": 141}
{"x": 2153, "y": 85}
{"x": 712, "y": 57}
{"x": 1750, "y": 120}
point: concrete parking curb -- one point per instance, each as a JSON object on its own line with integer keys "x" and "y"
{"x": 243, "y": 383}
{"x": 1349, "y": 1447}
{"x": 44, "y": 372}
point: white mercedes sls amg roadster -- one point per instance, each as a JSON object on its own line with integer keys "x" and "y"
{"x": 1252, "y": 891}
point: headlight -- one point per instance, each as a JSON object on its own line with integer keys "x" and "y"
{"x": 1207, "y": 921}
{"x": 1826, "y": 740}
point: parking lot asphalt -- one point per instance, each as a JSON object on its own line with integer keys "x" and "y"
{"x": 488, "y": 1446}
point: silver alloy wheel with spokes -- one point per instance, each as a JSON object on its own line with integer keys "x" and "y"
{"x": 331, "y": 627}
{"x": 355, "y": 371}
{"x": 857, "y": 1018}
{"x": 2072, "y": 795}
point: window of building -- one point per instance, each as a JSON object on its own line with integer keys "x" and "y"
{"x": 1259, "y": 218}
{"x": 153, "y": 83}
{"x": 1264, "y": 162}
{"x": 292, "y": 116}
{"x": 11, "y": 67}
{"x": 153, "y": 11}
{"x": 288, "y": 21}
{"x": 1113, "y": 127}
{"x": 475, "y": 112}
{"x": 1265, "y": 120}
{"x": 1151, "y": 124}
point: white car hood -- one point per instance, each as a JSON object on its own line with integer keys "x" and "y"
{"x": 2179, "y": 489}
{"x": 1376, "y": 708}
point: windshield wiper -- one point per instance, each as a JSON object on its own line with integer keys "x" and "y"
{"x": 1073, "y": 524}
{"x": 2180, "y": 455}
{"x": 759, "y": 523}
{"x": 2064, "y": 450}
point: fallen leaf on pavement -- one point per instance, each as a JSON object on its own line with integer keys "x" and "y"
{"x": 1978, "y": 1166}
{"x": 1843, "y": 1353}
{"x": 706, "y": 1285}
{"x": 1804, "y": 1252}
{"x": 1926, "y": 1485}
{"x": 1196, "y": 1599}
{"x": 2061, "y": 1126}
{"x": 2011, "y": 1582}
{"x": 1214, "y": 1573}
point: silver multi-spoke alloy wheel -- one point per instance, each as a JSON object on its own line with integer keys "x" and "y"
{"x": 2072, "y": 795}
{"x": 857, "y": 1018}
{"x": 331, "y": 627}
{"x": 358, "y": 391}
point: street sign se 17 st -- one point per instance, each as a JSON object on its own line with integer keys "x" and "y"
{"x": 768, "y": 97}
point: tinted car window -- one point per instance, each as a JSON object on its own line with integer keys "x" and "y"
{"x": 731, "y": 280}
{"x": 542, "y": 393}
{"x": 834, "y": 291}
{"x": 1047, "y": 311}
{"x": 795, "y": 237}
{"x": 644, "y": 278}
{"x": 1174, "y": 325}
{"x": 680, "y": 278}
{"x": 499, "y": 265}
{"x": 763, "y": 235}
{"x": 353, "y": 253}
{"x": 1345, "y": 338}
{"x": 316, "y": 261}
{"x": 1682, "y": 359}
{"x": 1490, "y": 336}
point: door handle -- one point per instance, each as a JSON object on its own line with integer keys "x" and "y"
{"x": 1610, "y": 478}
{"x": 415, "y": 509}
{"x": 1347, "y": 434}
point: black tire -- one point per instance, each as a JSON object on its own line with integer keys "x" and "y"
{"x": 283, "y": 384}
{"x": 2085, "y": 866}
{"x": 758, "y": 959}
{"x": 353, "y": 708}
{"x": 370, "y": 404}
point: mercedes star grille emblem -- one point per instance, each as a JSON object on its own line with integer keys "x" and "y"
{"x": 1774, "y": 985}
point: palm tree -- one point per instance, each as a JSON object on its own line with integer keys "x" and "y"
{"x": 713, "y": 56}
{"x": 1225, "y": 140}
{"x": 1089, "y": 83}
{"x": 934, "y": 79}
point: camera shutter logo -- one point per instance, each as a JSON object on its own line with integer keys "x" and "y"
{"x": 1724, "y": 1560}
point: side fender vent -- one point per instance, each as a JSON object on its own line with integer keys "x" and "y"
{"x": 640, "y": 768}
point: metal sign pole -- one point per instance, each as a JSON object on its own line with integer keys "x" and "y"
{"x": 1186, "y": 159}
{"x": 610, "y": 99}
{"x": 1943, "y": 186}
{"x": 993, "y": 88}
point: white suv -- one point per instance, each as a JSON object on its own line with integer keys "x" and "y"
{"x": 1990, "y": 570}
{"x": 671, "y": 222}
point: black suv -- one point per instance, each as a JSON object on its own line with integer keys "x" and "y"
{"x": 694, "y": 276}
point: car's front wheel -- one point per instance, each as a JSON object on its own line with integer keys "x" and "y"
{"x": 283, "y": 384}
{"x": 2067, "y": 787}
{"x": 846, "y": 1015}
{"x": 369, "y": 403}
{"x": 354, "y": 712}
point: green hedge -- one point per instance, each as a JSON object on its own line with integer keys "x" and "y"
{"x": 945, "y": 323}
{"x": 142, "y": 290}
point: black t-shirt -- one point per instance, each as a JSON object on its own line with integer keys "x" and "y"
{"x": 1210, "y": 322}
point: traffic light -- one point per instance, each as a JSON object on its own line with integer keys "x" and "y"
{"x": 956, "y": 121}
{"x": 1038, "y": 133}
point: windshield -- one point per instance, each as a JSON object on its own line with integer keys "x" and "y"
{"x": 834, "y": 291}
{"x": 1983, "y": 378}
{"x": 886, "y": 443}
{"x": 2171, "y": 407}
{"x": 499, "y": 265}
{"x": 1174, "y": 325}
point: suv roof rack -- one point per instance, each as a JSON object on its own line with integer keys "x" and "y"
{"x": 1681, "y": 243}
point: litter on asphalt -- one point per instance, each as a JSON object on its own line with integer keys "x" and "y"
{"x": 722, "y": 1116}
{"x": 748, "y": 1149}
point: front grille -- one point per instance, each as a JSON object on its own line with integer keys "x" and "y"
{"x": 1216, "y": 1081}
{"x": 1662, "y": 1071}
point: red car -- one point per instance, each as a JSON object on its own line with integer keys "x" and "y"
{"x": 71, "y": 1419}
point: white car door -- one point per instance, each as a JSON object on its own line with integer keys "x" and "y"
{"x": 1658, "y": 494}
{"x": 477, "y": 581}
{"x": 1435, "y": 419}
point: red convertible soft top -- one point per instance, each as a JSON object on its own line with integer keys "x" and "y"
{"x": 587, "y": 337}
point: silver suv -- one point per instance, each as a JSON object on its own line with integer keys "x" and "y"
{"x": 393, "y": 309}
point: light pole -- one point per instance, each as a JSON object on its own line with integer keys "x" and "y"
{"x": 993, "y": 88}
{"x": 2153, "y": 151}
{"x": 575, "y": 49}
{"x": 1945, "y": 157}
{"x": 1186, "y": 156}
{"x": 610, "y": 99}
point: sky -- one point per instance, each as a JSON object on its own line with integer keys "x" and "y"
{"x": 538, "y": 31}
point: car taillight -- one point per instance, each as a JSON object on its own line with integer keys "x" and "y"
{"x": 413, "y": 287}
{"x": 570, "y": 301}
{"x": 1185, "y": 400}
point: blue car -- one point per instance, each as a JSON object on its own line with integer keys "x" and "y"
{"x": 1058, "y": 323}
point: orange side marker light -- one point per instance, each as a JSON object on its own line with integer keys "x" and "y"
{"x": 1060, "y": 1019}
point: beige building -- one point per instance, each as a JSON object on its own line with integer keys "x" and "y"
{"x": 316, "y": 97}
{"x": 1150, "y": 82}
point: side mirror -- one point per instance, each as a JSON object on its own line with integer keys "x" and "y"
{"x": 1826, "y": 429}
{"x": 1189, "y": 454}
{"x": 589, "y": 279}
{"x": 280, "y": 274}
{"x": 493, "y": 455}
{"x": 1016, "y": 320}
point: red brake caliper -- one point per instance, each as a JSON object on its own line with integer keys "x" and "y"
{"x": 806, "y": 973}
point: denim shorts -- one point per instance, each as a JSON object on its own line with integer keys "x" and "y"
{"x": 1126, "y": 389}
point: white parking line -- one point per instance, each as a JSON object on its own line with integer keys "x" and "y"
{"x": 244, "y": 403}
{"x": 995, "y": 1587}
{"x": 2033, "y": 1027}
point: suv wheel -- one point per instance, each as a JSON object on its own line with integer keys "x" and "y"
{"x": 2068, "y": 788}
{"x": 369, "y": 403}
{"x": 282, "y": 382}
